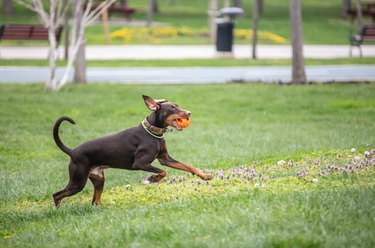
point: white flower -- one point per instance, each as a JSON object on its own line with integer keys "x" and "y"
{"x": 367, "y": 153}
{"x": 353, "y": 150}
{"x": 314, "y": 180}
{"x": 257, "y": 185}
{"x": 128, "y": 186}
{"x": 281, "y": 163}
{"x": 146, "y": 182}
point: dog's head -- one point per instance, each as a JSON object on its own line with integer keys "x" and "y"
{"x": 166, "y": 113}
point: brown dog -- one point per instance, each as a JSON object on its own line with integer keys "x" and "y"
{"x": 132, "y": 149}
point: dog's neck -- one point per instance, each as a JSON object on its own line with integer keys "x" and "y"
{"x": 151, "y": 125}
{"x": 156, "y": 121}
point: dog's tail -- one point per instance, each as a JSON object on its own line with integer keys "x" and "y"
{"x": 56, "y": 137}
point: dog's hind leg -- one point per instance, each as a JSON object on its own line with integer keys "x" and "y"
{"x": 97, "y": 178}
{"x": 78, "y": 174}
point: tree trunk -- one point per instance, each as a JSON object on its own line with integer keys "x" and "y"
{"x": 7, "y": 7}
{"x": 359, "y": 12}
{"x": 80, "y": 66}
{"x": 260, "y": 7}
{"x": 51, "y": 83}
{"x": 255, "y": 28}
{"x": 212, "y": 14}
{"x": 150, "y": 12}
{"x": 298, "y": 68}
{"x": 66, "y": 32}
{"x": 237, "y": 3}
{"x": 155, "y": 6}
{"x": 123, "y": 3}
{"x": 346, "y": 4}
{"x": 80, "y": 61}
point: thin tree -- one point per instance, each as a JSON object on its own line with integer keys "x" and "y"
{"x": 298, "y": 67}
{"x": 212, "y": 15}
{"x": 255, "y": 28}
{"x": 237, "y": 3}
{"x": 7, "y": 7}
{"x": 150, "y": 12}
{"x": 88, "y": 16}
{"x": 52, "y": 18}
{"x": 359, "y": 12}
{"x": 346, "y": 4}
{"x": 80, "y": 62}
{"x": 260, "y": 7}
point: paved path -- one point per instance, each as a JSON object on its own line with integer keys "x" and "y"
{"x": 118, "y": 52}
{"x": 191, "y": 74}
{"x": 176, "y": 75}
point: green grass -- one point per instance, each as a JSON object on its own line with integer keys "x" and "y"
{"x": 322, "y": 22}
{"x": 234, "y": 128}
{"x": 194, "y": 62}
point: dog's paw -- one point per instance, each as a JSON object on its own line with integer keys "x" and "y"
{"x": 206, "y": 177}
{"x": 154, "y": 178}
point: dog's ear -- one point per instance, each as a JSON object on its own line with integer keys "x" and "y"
{"x": 150, "y": 103}
{"x": 160, "y": 101}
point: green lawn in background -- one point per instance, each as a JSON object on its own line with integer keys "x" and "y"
{"x": 322, "y": 21}
{"x": 242, "y": 134}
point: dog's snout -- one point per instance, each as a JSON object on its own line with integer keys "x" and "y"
{"x": 188, "y": 113}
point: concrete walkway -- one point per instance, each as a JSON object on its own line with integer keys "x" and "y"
{"x": 123, "y": 52}
{"x": 173, "y": 75}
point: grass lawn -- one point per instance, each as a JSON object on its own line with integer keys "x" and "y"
{"x": 285, "y": 174}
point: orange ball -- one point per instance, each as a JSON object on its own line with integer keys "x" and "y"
{"x": 183, "y": 123}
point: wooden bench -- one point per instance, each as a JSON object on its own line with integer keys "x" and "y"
{"x": 117, "y": 8}
{"x": 369, "y": 10}
{"x": 26, "y": 32}
{"x": 127, "y": 12}
{"x": 364, "y": 33}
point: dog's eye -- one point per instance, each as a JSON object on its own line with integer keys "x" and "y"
{"x": 171, "y": 110}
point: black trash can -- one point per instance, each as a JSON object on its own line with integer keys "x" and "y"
{"x": 224, "y": 35}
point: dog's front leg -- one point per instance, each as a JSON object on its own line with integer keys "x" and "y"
{"x": 143, "y": 161}
{"x": 160, "y": 174}
{"x": 167, "y": 160}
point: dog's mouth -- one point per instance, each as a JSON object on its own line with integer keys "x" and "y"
{"x": 178, "y": 121}
{"x": 176, "y": 125}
